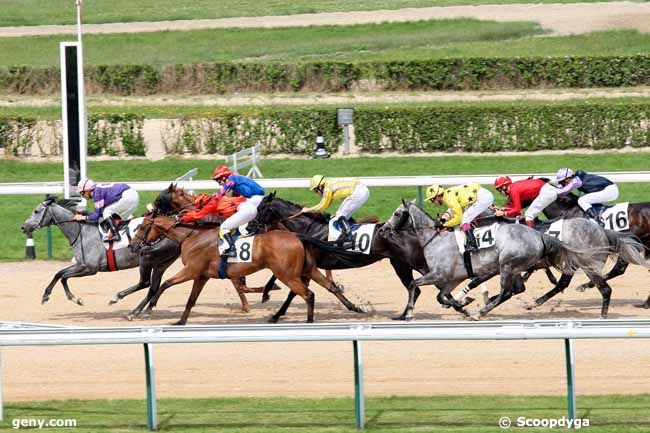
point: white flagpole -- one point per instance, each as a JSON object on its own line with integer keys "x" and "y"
{"x": 83, "y": 117}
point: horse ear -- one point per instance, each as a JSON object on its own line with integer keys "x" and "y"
{"x": 404, "y": 202}
{"x": 170, "y": 188}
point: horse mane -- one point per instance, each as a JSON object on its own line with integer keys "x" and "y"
{"x": 66, "y": 203}
{"x": 319, "y": 217}
{"x": 370, "y": 219}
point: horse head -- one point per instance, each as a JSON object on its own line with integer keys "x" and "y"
{"x": 49, "y": 211}
{"x": 147, "y": 232}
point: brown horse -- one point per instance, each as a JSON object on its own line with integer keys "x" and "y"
{"x": 177, "y": 199}
{"x": 280, "y": 251}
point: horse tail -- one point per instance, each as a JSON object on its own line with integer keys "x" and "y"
{"x": 568, "y": 260}
{"x": 628, "y": 248}
{"x": 370, "y": 219}
{"x": 348, "y": 258}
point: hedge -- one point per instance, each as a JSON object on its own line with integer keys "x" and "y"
{"x": 481, "y": 127}
{"x": 435, "y": 74}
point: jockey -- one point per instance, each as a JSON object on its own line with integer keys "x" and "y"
{"x": 521, "y": 193}
{"x": 354, "y": 193}
{"x": 465, "y": 202}
{"x": 110, "y": 199}
{"x": 210, "y": 205}
{"x": 240, "y": 186}
{"x": 596, "y": 189}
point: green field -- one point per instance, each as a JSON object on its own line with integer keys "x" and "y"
{"x": 391, "y": 41}
{"x": 479, "y": 414}
{"x": 283, "y": 44}
{"x": 35, "y": 12}
{"x": 15, "y": 209}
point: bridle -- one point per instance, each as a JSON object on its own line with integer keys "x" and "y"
{"x": 58, "y": 223}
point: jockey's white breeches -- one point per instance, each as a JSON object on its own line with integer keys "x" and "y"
{"x": 125, "y": 206}
{"x": 609, "y": 193}
{"x": 353, "y": 202}
{"x": 547, "y": 195}
{"x": 246, "y": 212}
{"x": 484, "y": 200}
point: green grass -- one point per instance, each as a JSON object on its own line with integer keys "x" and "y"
{"x": 15, "y": 209}
{"x": 284, "y": 44}
{"x": 480, "y": 414}
{"x": 35, "y": 12}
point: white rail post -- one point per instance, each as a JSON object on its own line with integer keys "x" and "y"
{"x": 2, "y": 412}
{"x": 570, "y": 378}
{"x": 359, "y": 397}
{"x": 152, "y": 407}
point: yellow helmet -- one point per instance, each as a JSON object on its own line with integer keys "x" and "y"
{"x": 434, "y": 191}
{"x": 316, "y": 181}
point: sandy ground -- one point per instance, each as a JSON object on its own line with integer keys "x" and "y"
{"x": 308, "y": 369}
{"x": 335, "y": 98}
{"x": 561, "y": 19}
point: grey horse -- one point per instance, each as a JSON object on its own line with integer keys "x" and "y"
{"x": 85, "y": 240}
{"x": 517, "y": 249}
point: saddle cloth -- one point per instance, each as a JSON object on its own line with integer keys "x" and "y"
{"x": 485, "y": 237}
{"x": 126, "y": 229}
{"x": 362, "y": 235}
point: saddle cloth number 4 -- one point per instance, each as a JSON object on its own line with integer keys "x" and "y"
{"x": 485, "y": 236}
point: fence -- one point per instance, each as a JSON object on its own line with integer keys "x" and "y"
{"x": 351, "y": 332}
{"x": 247, "y": 158}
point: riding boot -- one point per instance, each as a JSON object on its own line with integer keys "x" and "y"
{"x": 592, "y": 214}
{"x": 113, "y": 234}
{"x": 472, "y": 245}
{"x": 346, "y": 232}
{"x": 231, "y": 251}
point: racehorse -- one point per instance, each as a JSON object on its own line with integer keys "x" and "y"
{"x": 639, "y": 223}
{"x": 517, "y": 248}
{"x": 90, "y": 254}
{"x": 280, "y": 251}
{"x": 274, "y": 213}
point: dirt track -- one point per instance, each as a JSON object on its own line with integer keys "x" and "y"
{"x": 308, "y": 369}
{"x": 561, "y": 19}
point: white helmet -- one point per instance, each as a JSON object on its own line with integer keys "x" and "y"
{"x": 564, "y": 173}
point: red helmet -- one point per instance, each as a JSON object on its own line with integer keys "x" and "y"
{"x": 502, "y": 181}
{"x": 221, "y": 172}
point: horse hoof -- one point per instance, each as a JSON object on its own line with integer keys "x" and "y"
{"x": 265, "y": 299}
{"x": 113, "y": 301}
{"x": 178, "y": 323}
{"x": 245, "y": 310}
{"x": 44, "y": 300}
{"x": 474, "y": 318}
{"x": 129, "y": 317}
{"x": 468, "y": 300}
{"x": 363, "y": 309}
{"x": 445, "y": 306}
{"x": 581, "y": 288}
{"x": 80, "y": 302}
{"x": 645, "y": 305}
{"x": 274, "y": 319}
{"x": 539, "y": 302}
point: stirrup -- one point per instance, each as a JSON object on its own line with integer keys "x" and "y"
{"x": 230, "y": 252}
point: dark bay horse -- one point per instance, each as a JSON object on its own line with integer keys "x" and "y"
{"x": 280, "y": 251}
{"x": 275, "y": 213}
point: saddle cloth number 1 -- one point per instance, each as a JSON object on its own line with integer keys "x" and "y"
{"x": 361, "y": 235}
{"x": 616, "y": 218}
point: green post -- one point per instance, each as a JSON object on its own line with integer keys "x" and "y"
{"x": 420, "y": 197}
{"x": 152, "y": 412}
{"x": 570, "y": 378}
{"x": 49, "y": 242}
{"x": 359, "y": 397}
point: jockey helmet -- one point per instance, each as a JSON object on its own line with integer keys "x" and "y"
{"x": 434, "y": 191}
{"x": 564, "y": 173}
{"x": 316, "y": 181}
{"x": 502, "y": 181}
{"x": 221, "y": 172}
{"x": 86, "y": 185}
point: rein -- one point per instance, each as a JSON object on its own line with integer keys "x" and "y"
{"x": 59, "y": 223}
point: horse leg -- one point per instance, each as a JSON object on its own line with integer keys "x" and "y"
{"x": 645, "y": 305}
{"x": 74, "y": 273}
{"x": 240, "y": 284}
{"x": 156, "y": 276}
{"x": 48, "y": 290}
{"x": 321, "y": 280}
{"x": 143, "y": 283}
{"x": 564, "y": 282}
{"x": 619, "y": 269}
{"x": 270, "y": 285}
{"x": 298, "y": 286}
{"x": 509, "y": 281}
{"x": 283, "y": 309}
{"x": 197, "y": 287}
{"x": 605, "y": 291}
{"x": 183, "y": 275}
{"x": 405, "y": 275}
